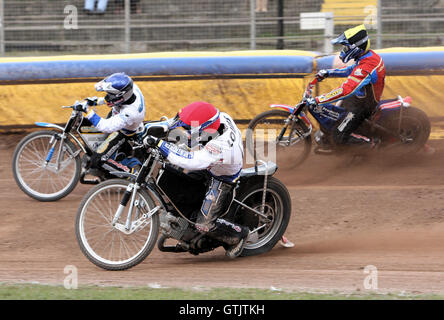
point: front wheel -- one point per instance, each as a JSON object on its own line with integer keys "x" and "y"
{"x": 41, "y": 171}
{"x": 263, "y": 142}
{"x": 268, "y": 227}
{"x": 107, "y": 243}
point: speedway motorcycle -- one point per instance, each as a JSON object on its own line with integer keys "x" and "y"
{"x": 401, "y": 128}
{"x": 48, "y": 164}
{"x": 119, "y": 221}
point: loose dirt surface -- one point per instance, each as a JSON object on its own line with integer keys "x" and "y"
{"x": 387, "y": 213}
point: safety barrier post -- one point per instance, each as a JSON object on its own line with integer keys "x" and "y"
{"x": 2, "y": 28}
{"x": 252, "y": 25}
{"x": 127, "y": 26}
{"x": 379, "y": 25}
{"x": 281, "y": 33}
{"x": 328, "y": 32}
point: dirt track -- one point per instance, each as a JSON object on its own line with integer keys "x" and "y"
{"x": 389, "y": 214}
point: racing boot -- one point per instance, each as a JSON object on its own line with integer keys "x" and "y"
{"x": 234, "y": 236}
{"x": 323, "y": 145}
{"x": 375, "y": 143}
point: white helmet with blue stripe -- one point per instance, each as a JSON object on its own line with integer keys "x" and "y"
{"x": 119, "y": 88}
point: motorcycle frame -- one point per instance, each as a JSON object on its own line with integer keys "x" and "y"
{"x": 146, "y": 181}
{"x": 74, "y": 122}
{"x": 297, "y": 114}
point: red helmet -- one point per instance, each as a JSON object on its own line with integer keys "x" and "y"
{"x": 197, "y": 117}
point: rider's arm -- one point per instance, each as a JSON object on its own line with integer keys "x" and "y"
{"x": 191, "y": 160}
{"x": 358, "y": 79}
{"x": 112, "y": 124}
{"x": 340, "y": 72}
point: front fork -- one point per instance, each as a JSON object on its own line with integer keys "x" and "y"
{"x": 138, "y": 222}
{"x": 290, "y": 121}
{"x": 130, "y": 192}
{"x": 130, "y": 196}
{"x": 53, "y": 143}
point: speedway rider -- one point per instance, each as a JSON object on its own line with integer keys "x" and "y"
{"x": 124, "y": 120}
{"x": 360, "y": 93}
{"x": 221, "y": 154}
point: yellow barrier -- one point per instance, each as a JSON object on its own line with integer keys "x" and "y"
{"x": 243, "y": 98}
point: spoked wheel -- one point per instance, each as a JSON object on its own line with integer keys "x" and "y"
{"x": 37, "y": 169}
{"x": 125, "y": 243}
{"x": 413, "y": 130}
{"x": 269, "y": 227}
{"x": 262, "y": 139}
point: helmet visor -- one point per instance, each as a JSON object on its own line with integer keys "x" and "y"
{"x": 106, "y": 86}
{"x": 178, "y": 123}
{"x": 340, "y": 40}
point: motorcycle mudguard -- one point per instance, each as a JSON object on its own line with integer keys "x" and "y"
{"x": 390, "y": 106}
{"x": 290, "y": 110}
{"x": 283, "y": 106}
{"x": 263, "y": 169}
{"x": 48, "y": 125}
{"x": 162, "y": 124}
{"x": 395, "y": 103}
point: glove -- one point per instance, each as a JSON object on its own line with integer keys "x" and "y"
{"x": 311, "y": 102}
{"x": 91, "y": 101}
{"x": 150, "y": 141}
{"x": 81, "y": 106}
{"x": 321, "y": 75}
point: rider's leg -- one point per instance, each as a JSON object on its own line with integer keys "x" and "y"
{"x": 217, "y": 201}
{"x": 343, "y": 132}
{"x": 109, "y": 154}
{"x": 132, "y": 163}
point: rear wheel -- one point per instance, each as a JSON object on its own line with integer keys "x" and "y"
{"x": 262, "y": 139}
{"x": 37, "y": 171}
{"x": 411, "y": 131}
{"x": 269, "y": 227}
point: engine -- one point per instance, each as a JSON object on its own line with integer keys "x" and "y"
{"x": 172, "y": 226}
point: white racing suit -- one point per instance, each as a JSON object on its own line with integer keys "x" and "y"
{"x": 123, "y": 122}
{"x": 223, "y": 158}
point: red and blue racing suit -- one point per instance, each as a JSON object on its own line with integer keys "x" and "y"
{"x": 361, "y": 93}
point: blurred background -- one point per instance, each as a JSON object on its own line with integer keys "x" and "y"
{"x": 55, "y": 27}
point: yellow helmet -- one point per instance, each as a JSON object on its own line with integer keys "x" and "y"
{"x": 355, "y": 41}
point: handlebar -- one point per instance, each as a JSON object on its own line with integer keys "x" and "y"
{"x": 99, "y": 101}
{"x": 65, "y": 107}
{"x": 75, "y": 105}
{"x": 310, "y": 86}
{"x": 307, "y": 94}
